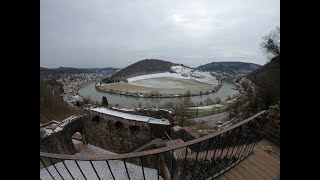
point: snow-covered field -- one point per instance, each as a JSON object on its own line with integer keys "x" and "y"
{"x": 180, "y": 72}
{"x": 209, "y": 107}
{"x": 148, "y": 76}
{"x": 170, "y": 83}
{"x": 179, "y": 81}
{"x": 117, "y": 167}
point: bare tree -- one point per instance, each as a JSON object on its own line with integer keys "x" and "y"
{"x": 271, "y": 43}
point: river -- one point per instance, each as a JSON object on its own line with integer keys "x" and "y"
{"x": 89, "y": 91}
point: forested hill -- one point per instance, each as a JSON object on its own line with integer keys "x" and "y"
{"x": 52, "y": 106}
{"x": 147, "y": 66}
{"x": 268, "y": 77}
{"x": 232, "y": 68}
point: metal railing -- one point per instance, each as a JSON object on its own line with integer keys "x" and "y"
{"x": 204, "y": 158}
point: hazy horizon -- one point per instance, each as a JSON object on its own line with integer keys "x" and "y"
{"x": 137, "y": 61}
{"x": 98, "y": 34}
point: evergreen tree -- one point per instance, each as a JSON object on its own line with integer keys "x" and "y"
{"x": 104, "y": 101}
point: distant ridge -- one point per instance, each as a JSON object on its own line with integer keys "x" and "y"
{"x": 233, "y": 68}
{"x": 143, "y": 67}
{"x": 72, "y": 70}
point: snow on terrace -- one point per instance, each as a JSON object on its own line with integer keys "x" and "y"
{"x": 180, "y": 72}
{"x": 117, "y": 167}
{"x": 55, "y": 126}
{"x": 64, "y": 122}
{"x": 207, "y": 107}
{"x": 136, "y": 109}
{"x": 131, "y": 116}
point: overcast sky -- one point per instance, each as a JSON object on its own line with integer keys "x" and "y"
{"x": 105, "y": 33}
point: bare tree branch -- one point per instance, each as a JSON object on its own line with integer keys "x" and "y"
{"x": 271, "y": 43}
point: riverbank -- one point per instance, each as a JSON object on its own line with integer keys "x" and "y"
{"x": 200, "y": 111}
{"x": 90, "y": 92}
{"x": 71, "y": 98}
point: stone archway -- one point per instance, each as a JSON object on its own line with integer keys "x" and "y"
{"x": 77, "y": 140}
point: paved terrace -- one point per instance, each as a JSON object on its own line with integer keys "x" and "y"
{"x": 263, "y": 163}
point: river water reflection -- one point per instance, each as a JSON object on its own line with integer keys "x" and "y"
{"x": 89, "y": 91}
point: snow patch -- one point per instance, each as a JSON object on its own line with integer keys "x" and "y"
{"x": 51, "y": 128}
{"x": 148, "y": 76}
{"x": 170, "y": 112}
{"x": 158, "y": 121}
{"x": 64, "y": 122}
{"x": 44, "y": 132}
{"x": 207, "y": 107}
{"x": 204, "y": 77}
{"x": 122, "y": 109}
{"x": 180, "y": 72}
{"x": 177, "y": 128}
{"x": 131, "y": 116}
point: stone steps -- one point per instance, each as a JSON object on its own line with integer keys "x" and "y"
{"x": 211, "y": 154}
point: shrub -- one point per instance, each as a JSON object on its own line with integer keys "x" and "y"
{"x": 104, "y": 101}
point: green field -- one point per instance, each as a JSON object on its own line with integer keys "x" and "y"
{"x": 208, "y": 112}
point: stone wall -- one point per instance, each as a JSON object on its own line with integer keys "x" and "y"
{"x": 116, "y": 134}
{"x": 155, "y": 113}
{"x": 271, "y": 128}
{"x": 107, "y": 132}
{"x": 61, "y": 141}
{"x": 158, "y": 131}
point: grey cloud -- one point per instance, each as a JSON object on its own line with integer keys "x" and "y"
{"x": 101, "y": 33}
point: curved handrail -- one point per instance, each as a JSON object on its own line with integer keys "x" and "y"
{"x": 148, "y": 152}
